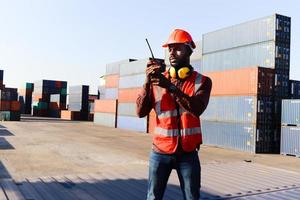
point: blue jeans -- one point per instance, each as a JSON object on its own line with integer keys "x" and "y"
{"x": 188, "y": 169}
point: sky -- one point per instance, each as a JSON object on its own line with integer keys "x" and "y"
{"x": 73, "y": 40}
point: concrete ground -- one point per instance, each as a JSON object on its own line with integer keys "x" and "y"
{"x": 35, "y": 148}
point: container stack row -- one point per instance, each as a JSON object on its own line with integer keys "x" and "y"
{"x": 10, "y": 107}
{"x": 78, "y": 108}
{"x": 132, "y": 78}
{"x": 290, "y": 127}
{"x": 251, "y": 116}
{"x": 42, "y": 103}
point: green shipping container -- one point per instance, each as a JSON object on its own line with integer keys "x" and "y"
{"x": 4, "y": 116}
{"x": 63, "y": 91}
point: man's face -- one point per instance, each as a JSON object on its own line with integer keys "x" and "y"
{"x": 179, "y": 55}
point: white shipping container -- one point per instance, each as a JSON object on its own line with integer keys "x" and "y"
{"x": 132, "y": 81}
{"x": 127, "y": 109}
{"x": 105, "y": 119}
{"x": 251, "y": 32}
{"x": 132, "y": 123}
{"x": 261, "y": 54}
{"x": 111, "y": 93}
{"x": 135, "y": 67}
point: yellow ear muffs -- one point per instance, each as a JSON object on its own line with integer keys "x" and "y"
{"x": 183, "y": 72}
{"x": 172, "y": 72}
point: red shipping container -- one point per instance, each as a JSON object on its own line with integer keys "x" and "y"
{"x": 244, "y": 81}
{"x": 15, "y": 106}
{"x": 5, "y": 105}
{"x": 58, "y": 84}
{"x": 111, "y": 81}
{"x": 107, "y": 106}
{"x": 128, "y": 95}
{"x": 53, "y": 106}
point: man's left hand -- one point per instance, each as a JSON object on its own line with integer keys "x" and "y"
{"x": 161, "y": 81}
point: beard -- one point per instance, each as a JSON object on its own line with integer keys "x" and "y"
{"x": 177, "y": 64}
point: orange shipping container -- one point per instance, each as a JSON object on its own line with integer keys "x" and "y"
{"x": 107, "y": 106}
{"x": 128, "y": 95}
{"x": 65, "y": 114}
{"x": 112, "y": 81}
{"x": 244, "y": 81}
{"x": 36, "y": 97}
{"x": 15, "y": 106}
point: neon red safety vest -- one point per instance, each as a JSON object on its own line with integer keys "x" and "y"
{"x": 176, "y": 124}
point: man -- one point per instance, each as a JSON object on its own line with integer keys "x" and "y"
{"x": 178, "y": 96}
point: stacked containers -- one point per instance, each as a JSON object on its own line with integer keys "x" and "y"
{"x": 28, "y": 97}
{"x": 54, "y": 110}
{"x": 41, "y": 96}
{"x": 21, "y": 97}
{"x": 112, "y": 79}
{"x": 79, "y": 100}
{"x": 92, "y": 98}
{"x": 132, "y": 78}
{"x": 241, "y": 101}
{"x": 108, "y": 95}
{"x": 1, "y": 80}
{"x": 290, "y": 127}
{"x": 263, "y": 42}
{"x": 294, "y": 89}
{"x": 9, "y": 105}
{"x": 105, "y": 112}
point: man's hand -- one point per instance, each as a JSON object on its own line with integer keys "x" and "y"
{"x": 161, "y": 81}
{"x": 153, "y": 67}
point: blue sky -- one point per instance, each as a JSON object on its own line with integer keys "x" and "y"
{"x": 72, "y": 40}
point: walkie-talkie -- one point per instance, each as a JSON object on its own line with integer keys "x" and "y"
{"x": 161, "y": 62}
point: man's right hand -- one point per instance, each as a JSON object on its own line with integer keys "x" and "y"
{"x": 153, "y": 67}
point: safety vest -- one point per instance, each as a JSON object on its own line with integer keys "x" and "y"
{"x": 173, "y": 123}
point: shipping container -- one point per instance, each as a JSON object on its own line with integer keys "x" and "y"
{"x": 290, "y": 141}
{"x": 229, "y": 135}
{"x": 294, "y": 89}
{"x": 253, "y": 138}
{"x": 105, "y": 119}
{"x": 132, "y": 81}
{"x": 79, "y": 98}
{"x": 196, "y": 64}
{"x": 101, "y": 91}
{"x": 111, "y": 93}
{"x": 114, "y": 68}
{"x": 270, "y": 28}
{"x": 105, "y": 106}
{"x": 132, "y": 123}
{"x": 112, "y": 81}
{"x": 135, "y": 67}
{"x": 127, "y": 109}
{"x": 260, "y": 54}
{"x": 239, "y": 109}
{"x": 244, "y": 81}
{"x": 9, "y": 94}
{"x": 290, "y": 114}
{"x": 128, "y": 95}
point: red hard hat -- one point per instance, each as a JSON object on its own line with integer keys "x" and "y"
{"x": 180, "y": 36}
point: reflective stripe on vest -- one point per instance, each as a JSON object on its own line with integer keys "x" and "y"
{"x": 168, "y": 113}
{"x": 198, "y": 82}
{"x": 174, "y": 132}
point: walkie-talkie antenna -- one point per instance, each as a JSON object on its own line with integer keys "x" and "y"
{"x": 150, "y": 49}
